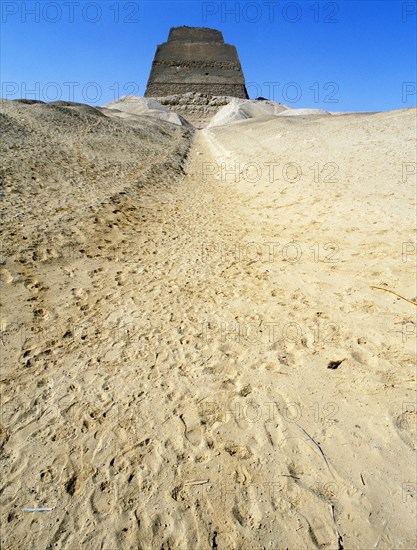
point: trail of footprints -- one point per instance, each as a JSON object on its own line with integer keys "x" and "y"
{"x": 140, "y": 417}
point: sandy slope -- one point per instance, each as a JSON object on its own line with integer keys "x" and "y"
{"x": 166, "y": 385}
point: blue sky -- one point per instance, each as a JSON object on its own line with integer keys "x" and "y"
{"x": 341, "y": 56}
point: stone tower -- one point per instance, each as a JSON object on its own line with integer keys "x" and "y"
{"x": 196, "y": 59}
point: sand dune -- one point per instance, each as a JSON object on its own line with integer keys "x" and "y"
{"x": 171, "y": 306}
{"x": 126, "y": 106}
{"x": 241, "y": 109}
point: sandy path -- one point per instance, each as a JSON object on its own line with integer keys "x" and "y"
{"x": 156, "y": 407}
{"x": 105, "y": 420}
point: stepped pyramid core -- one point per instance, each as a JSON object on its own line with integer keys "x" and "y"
{"x": 196, "y": 59}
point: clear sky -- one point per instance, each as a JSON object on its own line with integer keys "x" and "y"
{"x": 341, "y": 56}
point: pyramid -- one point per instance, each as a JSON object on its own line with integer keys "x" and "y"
{"x": 196, "y": 59}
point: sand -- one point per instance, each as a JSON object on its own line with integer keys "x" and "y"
{"x": 129, "y": 105}
{"x": 241, "y": 109}
{"x": 168, "y": 330}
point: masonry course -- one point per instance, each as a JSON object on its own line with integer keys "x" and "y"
{"x": 196, "y": 59}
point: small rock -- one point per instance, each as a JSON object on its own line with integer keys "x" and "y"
{"x": 335, "y": 364}
{"x": 245, "y": 391}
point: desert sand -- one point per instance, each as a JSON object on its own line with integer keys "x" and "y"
{"x": 193, "y": 356}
